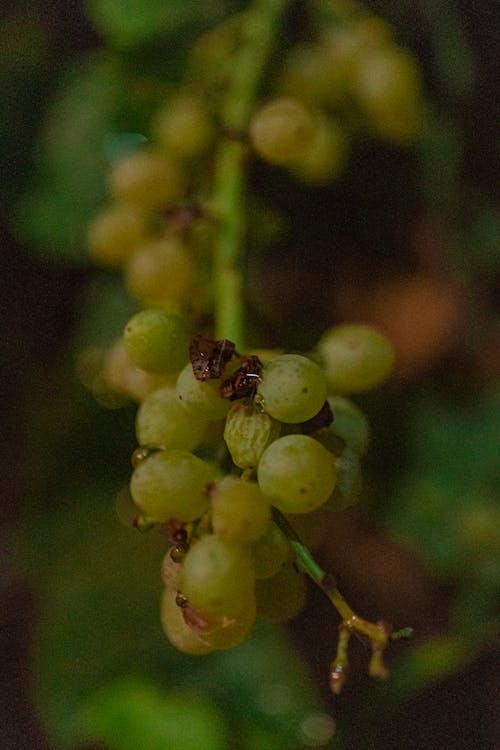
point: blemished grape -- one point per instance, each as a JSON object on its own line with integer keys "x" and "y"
{"x": 240, "y": 512}
{"x": 163, "y": 421}
{"x": 297, "y": 474}
{"x": 147, "y": 180}
{"x": 160, "y": 271}
{"x": 178, "y": 632}
{"x": 228, "y": 632}
{"x": 293, "y": 388}
{"x": 349, "y": 423}
{"x": 355, "y": 358}
{"x": 201, "y": 397}
{"x": 114, "y": 233}
{"x": 184, "y": 126}
{"x": 157, "y": 340}
{"x": 247, "y": 433}
{"x": 270, "y": 551}
{"x": 172, "y": 485}
{"x": 282, "y": 131}
{"x": 217, "y": 576}
{"x": 281, "y": 597}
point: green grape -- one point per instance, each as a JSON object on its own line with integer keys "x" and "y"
{"x": 163, "y": 270}
{"x": 248, "y": 432}
{"x": 157, "y": 341}
{"x": 326, "y": 159}
{"x": 297, "y": 474}
{"x": 172, "y": 485}
{"x": 281, "y": 597}
{"x": 240, "y": 512}
{"x": 162, "y": 420}
{"x": 349, "y": 423}
{"x": 178, "y": 632}
{"x": 147, "y": 180}
{"x": 184, "y": 126}
{"x": 293, "y": 388}
{"x": 349, "y": 484}
{"x": 270, "y": 551}
{"x": 201, "y": 397}
{"x": 114, "y": 233}
{"x": 387, "y": 85}
{"x": 309, "y": 74}
{"x": 228, "y": 632}
{"x": 355, "y": 358}
{"x": 121, "y": 374}
{"x": 218, "y": 577}
{"x": 282, "y": 131}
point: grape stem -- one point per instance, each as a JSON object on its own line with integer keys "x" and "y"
{"x": 378, "y": 634}
{"x": 261, "y": 26}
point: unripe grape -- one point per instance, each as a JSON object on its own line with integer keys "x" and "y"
{"x": 147, "y": 180}
{"x": 240, "y": 512}
{"x": 270, "y": 551}
{"x": 349, "y": 423}
{"x": 297, "y": 474}
{"x": 172, "y": 485}
{"x": 281, "y": 597}
{"x": 248, "y": 432}
{"x": 355, "y": 358}
{"x": 201, "y": 397}
{"x": 218, "y": 577}
{"x": 282, "y": 131}
{"x": 160, "y": 271}
{"x": 162, "y": 420}
{"x": 184, "y": 126}
{"x": 156, "y": 340}
{"x": 293, "y": 388}
{"x": 387, "y": 85}
{"x": 114, "y": 233}
{"x": 326, "y": 159}
{"x": 178, "y": 632}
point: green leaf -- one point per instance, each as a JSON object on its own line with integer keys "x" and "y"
{"x": 133, "y": 713}
{"x": 128, "y": 23}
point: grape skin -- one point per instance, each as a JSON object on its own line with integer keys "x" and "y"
{"x": 162, "y": 420}
{"x": 201, "y": 397}
{"x": 297, "y": 474}
{"x": 240, "y": 512}
{"x": 172, "y": 485}
{"x": 156, "y": 340}
{"x": 282, "y": 131}
{"x": 293, "y": 388}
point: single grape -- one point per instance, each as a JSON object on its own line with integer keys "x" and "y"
{"x": 180, "y": 635}
{"x": 147, "y": 180}
{"x": 248, "y": 432}
{"x": 163, "y": 421}
{"x": 355, "y": 358}
{"x": 218, "y": 577}
{"x": 172, "y": 485}
{"x": 327, "y": 158}
{"x": 201, "y": 397}
{"x": 161, "y": 271}
{"x": 293, "y": 388}
{"x": 349, "y": 482}
{"x": 281, "y": 597}
{"x": 157, "y": 340}
{"x": 114, "y": 233}
{"x": 240, "y": 512}
{"x": 282, "y": 131}
{"x": 184, "y": 126}
{"x": 297, "y": 474}
{"x": 309, "y": 75}
{"x": 270, "y": 552}
{"x": 349, "y": 423}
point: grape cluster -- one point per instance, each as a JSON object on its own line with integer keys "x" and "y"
{"x": 234, "y": 442}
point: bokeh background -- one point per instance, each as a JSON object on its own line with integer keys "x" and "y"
{"x": 406, "y": 239}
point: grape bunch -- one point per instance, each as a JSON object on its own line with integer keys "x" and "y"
{"x": 236, "y": 449}
{"x": 236, "y": 445}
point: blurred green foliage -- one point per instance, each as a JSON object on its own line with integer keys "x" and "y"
{"x": 104, "y": 670}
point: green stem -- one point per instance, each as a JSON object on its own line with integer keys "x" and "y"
{"x": 261, "y": 27}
